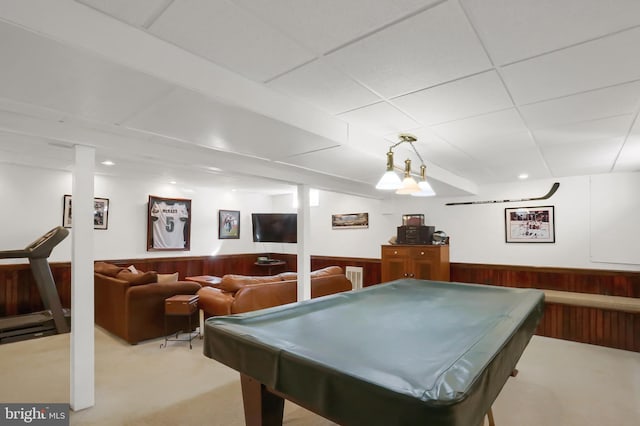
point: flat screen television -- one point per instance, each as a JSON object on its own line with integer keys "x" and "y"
{"x": 275, "y": 227}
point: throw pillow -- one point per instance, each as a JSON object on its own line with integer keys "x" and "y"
{"x": 168, "y": 278}
{"x": 138, "y": 279}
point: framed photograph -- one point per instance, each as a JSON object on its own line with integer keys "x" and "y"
{"x": 530, "y": 225}
{"x": 350, "y": 221}
{"x": 168, "y": 224}
{"x": 228, "y": 224}
{"x": 412, "y": 219}
{"x": 100, "y": 212}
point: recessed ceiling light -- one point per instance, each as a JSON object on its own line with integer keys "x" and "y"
{"x": 523, "y": 176}
{"x": 173, "y": 182}
{"x": 108, "y": 163}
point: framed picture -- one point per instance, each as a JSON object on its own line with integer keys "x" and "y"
{"x": 530, "y": 225}
{"x": 168, "y": 224}
{"x": 412, "y": 219}
{"x": 100, "y": 212}
{"x": 228, "y": 224}
{"x": 350, "y": 221}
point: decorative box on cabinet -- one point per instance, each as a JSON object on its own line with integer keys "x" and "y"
{"x": 425, "y": 262}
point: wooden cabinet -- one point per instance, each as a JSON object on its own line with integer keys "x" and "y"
{"x": 429, "y": 262}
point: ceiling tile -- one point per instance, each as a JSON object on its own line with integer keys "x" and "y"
{"x": 194, "y": 118}
{"x": 230, "y": 37}
{"x": 380, "y": 119}
{"x": 601, "y": 103}
{"x": 600, "y": 63}
{"x": 430, "y": 48}
{"x": 325, "y": 25}
{"x": 576, "y": 159}
{"x": 490, "y": 130}
{"x": 463, "y": 98}
{"x": 629, "y": 158}
{"x": 58, "y": 154}
{"x": 324, "y": 87}
{"x": 134, "y": 12}
{"x": 607, "y": 128}
{"x": 343, "y": 161}
{"x": 516, "y": 29}
{"x": 49, "y": 75}
{"x": 511, "y": 164}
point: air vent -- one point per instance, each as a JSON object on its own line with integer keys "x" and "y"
{"x": 354, "y": 274}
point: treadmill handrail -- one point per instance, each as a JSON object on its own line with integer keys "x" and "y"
{"x": 40, "y": 248}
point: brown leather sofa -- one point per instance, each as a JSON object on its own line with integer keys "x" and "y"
{"x": 241, "y": 293}
{"x": 131, "y": 306}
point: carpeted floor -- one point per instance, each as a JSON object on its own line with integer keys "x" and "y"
{"x": 560, "y": 383}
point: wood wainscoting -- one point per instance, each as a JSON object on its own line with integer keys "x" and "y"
{"x": 611, "y": 328}
{"x": 19, "y": 292}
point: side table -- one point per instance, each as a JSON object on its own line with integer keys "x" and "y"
{"x": 270, "y": 265}
{"x": 184, "y": 305}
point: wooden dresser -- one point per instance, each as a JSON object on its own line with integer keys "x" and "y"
{"x": 426, "y": 262}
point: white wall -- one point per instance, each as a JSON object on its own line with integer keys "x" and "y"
{"x": 477, "y": 231}
{"x": 33, "y": 205}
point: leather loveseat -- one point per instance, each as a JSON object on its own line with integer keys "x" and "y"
{"x": 241, "y": 293}
{"x": 131, "y": 305}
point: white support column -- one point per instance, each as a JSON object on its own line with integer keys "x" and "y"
{"x": 304, "y": 257}
{"x": 82, "y": 308}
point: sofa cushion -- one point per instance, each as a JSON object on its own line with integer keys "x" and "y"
{"x": 168, "y": 278}
{"x": 107, "y": 269}
{"x": 233, "y": 283}
{"x": 288, "y": 276}
{"x": 139, "y": 278}
{"x": 329, "y": 270}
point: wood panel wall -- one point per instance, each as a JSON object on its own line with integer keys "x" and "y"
{"x": 19, "y": 292}
{"x": 595, "y": 326}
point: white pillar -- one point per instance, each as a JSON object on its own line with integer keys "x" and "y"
{"x": 304, "y": 257}
{"x": 82, "y": 310}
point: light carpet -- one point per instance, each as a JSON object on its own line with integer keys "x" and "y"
{"x": 560, "y": 383}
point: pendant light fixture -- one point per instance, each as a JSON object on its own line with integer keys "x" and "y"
{"x": 408, "y": 185}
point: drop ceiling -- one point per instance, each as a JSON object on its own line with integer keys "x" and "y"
{"x": 231, "y": 92}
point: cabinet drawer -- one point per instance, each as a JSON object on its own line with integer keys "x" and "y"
{"x": 396, "y": 251}
{"x": 431, "y": 253}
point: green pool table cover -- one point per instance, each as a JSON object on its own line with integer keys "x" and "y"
{"x": 408, "y": 352}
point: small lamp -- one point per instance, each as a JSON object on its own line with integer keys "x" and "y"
{"x": 409, "y": 184}
{"x": 390, "y": 179}
{"x": 425, "y": 189}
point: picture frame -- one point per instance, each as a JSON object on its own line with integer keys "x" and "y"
{"x": 228, "y": 224}
{"x": 350, "y": 221}
{"x": 530, "y": 224}
{"x": 412, "y": 219}
{"x": 100, "y": 212}
{"x": 168, "y": 224}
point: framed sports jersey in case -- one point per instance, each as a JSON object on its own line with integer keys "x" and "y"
{"x": 168, "y": 224}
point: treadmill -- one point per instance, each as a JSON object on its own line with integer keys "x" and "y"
{"x": 54, "y": 319}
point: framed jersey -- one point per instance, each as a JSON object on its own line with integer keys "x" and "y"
{"x": 168, "y": 224}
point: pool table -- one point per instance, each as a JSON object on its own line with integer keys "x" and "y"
{"x": 407, "y": 352}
